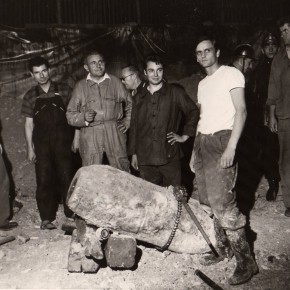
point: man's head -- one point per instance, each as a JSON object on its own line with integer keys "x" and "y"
{"x": 244, "y": 57}
{"x": 130, "y": 77}
{"x": 270, "y": 45}
{"x": 284, "y": 26}
{"x": 94, "y": 63}
{"x": 154, "y": 69}
{"x": 207, "y": 51}
{"x": 39, "y": 70}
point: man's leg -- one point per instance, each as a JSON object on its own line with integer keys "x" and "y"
{"x": 46, "y": 200}
{"x": 171, "y": 173}
{"x": 116, "y": 147}
{"x": 219, "y": 186}
{"x": 284, "y": 162}
{"x": 270, "y": 161}
{"x": 4, "y": 194}
{"x": 151, "y": 174}
{"x": 63, "y": 167}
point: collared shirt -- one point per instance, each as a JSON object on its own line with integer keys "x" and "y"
{"x": 104, "y": 77}
{"x": 109, "y": 99}
{"x": 279, "y": 85}
{"x": 153, "y": 117}
{"x": 35, "y": 92}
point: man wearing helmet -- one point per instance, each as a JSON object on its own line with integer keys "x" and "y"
{"x": 269, "y": 140}
{"x": 243, "y": 58}
{"x": 279, "y": 102}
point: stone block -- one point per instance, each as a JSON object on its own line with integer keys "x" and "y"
{"x": 120, "y": 251}
{"x": 89, "y": 265}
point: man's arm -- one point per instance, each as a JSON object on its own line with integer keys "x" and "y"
{"x": 29, "y": 125}
{"x": 124, "y": 123}
{"x": 238, "y": 99}
{"x": 272, "y": 123}
{"x": 191, "y": 113}
{"x": 75, "y": 115}
{"x": 273, "y": 95}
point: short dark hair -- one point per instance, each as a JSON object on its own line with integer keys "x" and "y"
{"x": 131, "y": 68}
{"x": 284, "y": 20}
{"x": 154, "y": 58}
{"x": 209, "y": 38}
{"x": 93, "y": 52}
{"x": 37, "y": 61}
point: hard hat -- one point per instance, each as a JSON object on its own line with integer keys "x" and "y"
{"x": 270, "y": 38}
{"x": 244, "y": 50}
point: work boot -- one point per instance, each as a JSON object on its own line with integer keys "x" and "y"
{"x": 246, "y": 266}
{"x": 272, "y": 192}
{"x": 223, "y": 247}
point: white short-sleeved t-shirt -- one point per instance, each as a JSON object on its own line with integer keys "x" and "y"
{"x": 217, "y": 111}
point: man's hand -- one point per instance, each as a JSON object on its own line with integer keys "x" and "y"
{"x": 31, "y": 157}
{"x": 172, "y": 138}
{"x": 273, "y": 124}
{"x": 227, "y": 159}
{"x": 134, "y": 162}
{"x": 75, "y": 146}
{"x": 121, "y": 126}
{"x": 90, "y": 115}
{"x": 191, "y": 162}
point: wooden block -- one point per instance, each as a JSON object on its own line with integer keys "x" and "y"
{"x": 120, "y": 251}
{"x": 76, "y": 253}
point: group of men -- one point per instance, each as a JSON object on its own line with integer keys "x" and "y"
{"x": 102, "y": 111}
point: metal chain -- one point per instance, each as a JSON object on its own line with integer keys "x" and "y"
{"x": 174, "y": 229}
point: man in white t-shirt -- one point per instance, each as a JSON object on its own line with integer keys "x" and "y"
{"x": 222, "y": 118}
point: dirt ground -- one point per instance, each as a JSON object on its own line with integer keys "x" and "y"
{"x": 41, "y": 262}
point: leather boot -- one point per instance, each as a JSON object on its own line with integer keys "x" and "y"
{"x": 223, "y": 247}
{"x": 246, "y": 266}
{"x": 272, "y": 192}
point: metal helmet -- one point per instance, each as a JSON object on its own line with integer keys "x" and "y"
{"x": 270, "y": 38}
{"x": 244, "y": 50}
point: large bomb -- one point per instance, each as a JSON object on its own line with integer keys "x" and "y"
{"x": 109, "y": 198}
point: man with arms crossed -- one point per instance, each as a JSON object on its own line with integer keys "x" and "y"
{"x": 223, "y": 114}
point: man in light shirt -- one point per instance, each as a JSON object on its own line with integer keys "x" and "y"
{"x": 101, "y": 107}
{"x": 222, "y": 118}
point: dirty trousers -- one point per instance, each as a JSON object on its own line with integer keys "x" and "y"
{"x": 4, "y": 194}
{"x": 215, "y": 184}
{"x": 104, "y": 137}
{"x": 284, "y": 161}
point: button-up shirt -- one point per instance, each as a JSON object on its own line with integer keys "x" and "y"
{"x": 153, "y": 117}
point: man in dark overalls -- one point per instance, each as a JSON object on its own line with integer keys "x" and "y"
{"x": 49, "y": 140}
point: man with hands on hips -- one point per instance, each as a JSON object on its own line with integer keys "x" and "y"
{"x": 155, "y": 125}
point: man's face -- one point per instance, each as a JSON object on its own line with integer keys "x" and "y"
{"x": 205, "y": 54}
{"x": 128, "y": 79}
{"x": 285, "y": 33}
{"x": 95, "y": 65}
{"x": 248, "y": 64}
{"x": 270, "y": 50}
{"x": 154, "y": 73}
{"x": 40, "y": 74}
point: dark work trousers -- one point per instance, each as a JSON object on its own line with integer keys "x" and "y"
{"x": 284, "y": 160}
{"x": 52, "y": 138}
{"x": 216, "y": 184}
{"x": 163, "y": 175}
{"x": 4, "y": 194}
{"x": 270, "y": 155}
